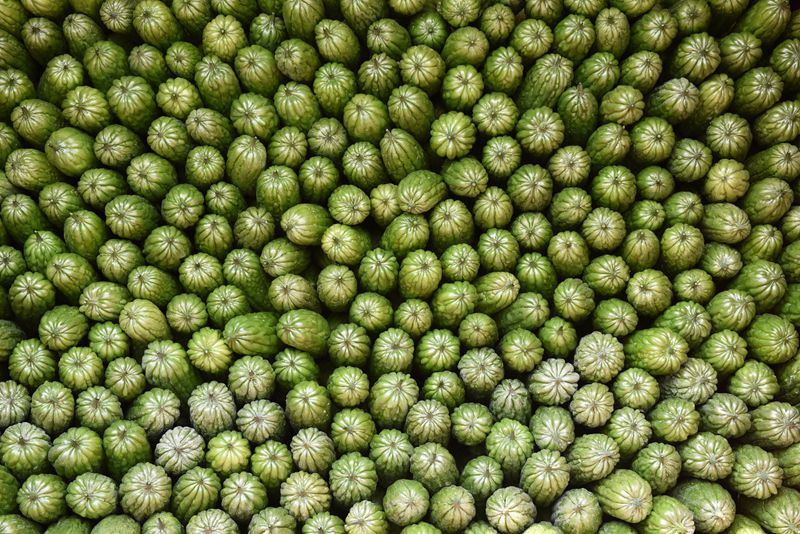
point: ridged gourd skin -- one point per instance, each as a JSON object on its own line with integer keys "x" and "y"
{"x": 371, "y": 266}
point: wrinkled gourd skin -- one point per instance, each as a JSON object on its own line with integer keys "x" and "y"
{"x": 372, "y": 266}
